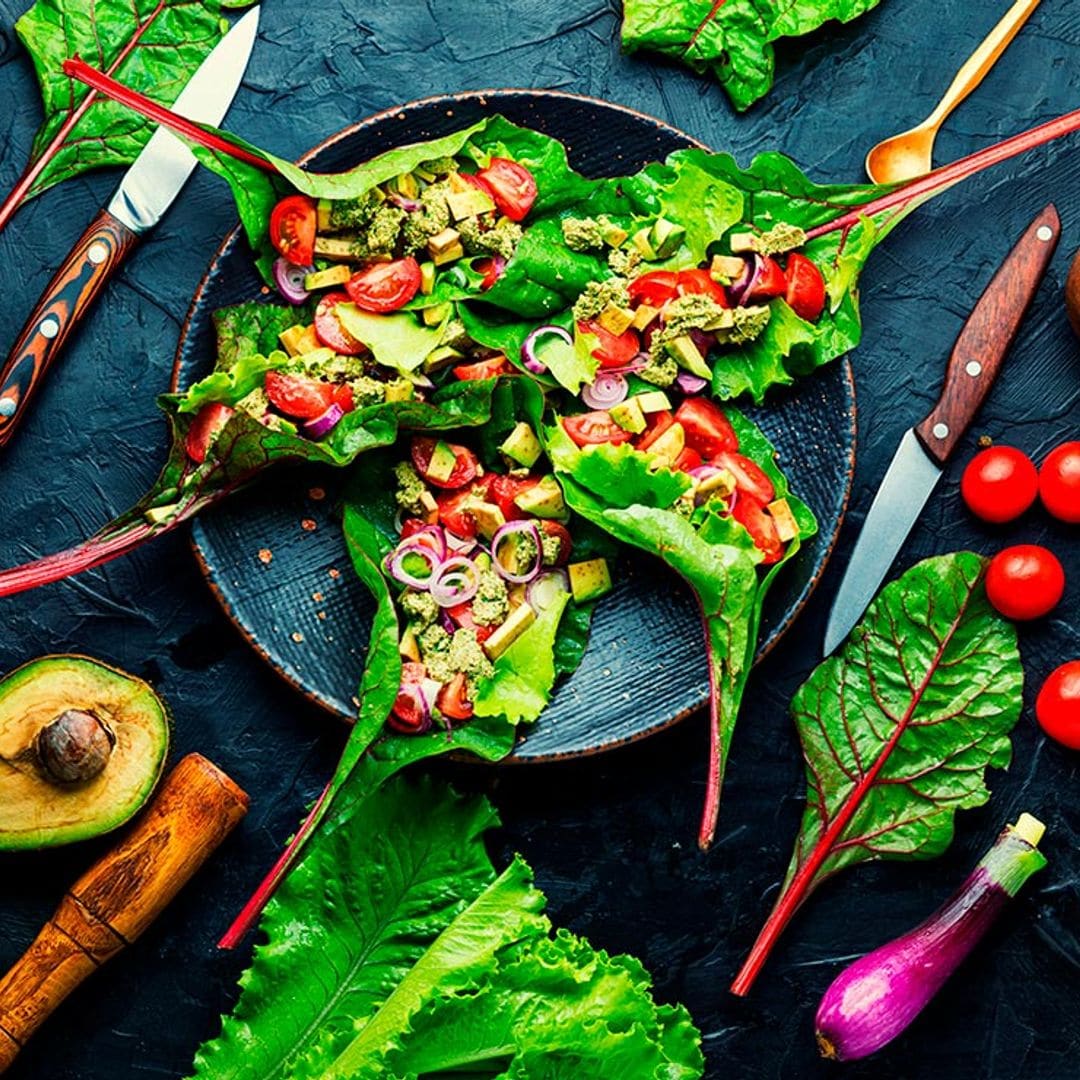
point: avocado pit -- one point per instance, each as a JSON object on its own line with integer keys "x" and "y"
{"x": 75, "y": 747}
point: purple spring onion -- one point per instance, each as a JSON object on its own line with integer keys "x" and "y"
{"x": 689, "y": 383}
{"x": 513, "y": 529}
{"x": 405, "y": 557}
{"x": 528, "y": 348}
{"x": 878, "y": 996}
{"x": 543, "y": 591}
{"x": 325, "y": 422}
{"x": 607, "y": 389}
{"x": 744, "y": 284}
{"x": 455, "y": 581}
{"x": 289, "y": 280}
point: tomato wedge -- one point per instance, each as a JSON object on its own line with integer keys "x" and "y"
{"x": 407, "y": 714}
{"x": 485, "y": 369}
{"x": 304, "y": 398}
{"x": 771, "y": 282}
{"x": 292, "y": 229}
{"x": 384, "y": 286}
{"x": 587, "y": 429}
{"x": 512, "y": 187}
{"x": 655, "y": 426}
{"x": 687, "y": 460}
{"x": 454, "y": 515}
{"x": 465, "y": 463}
{"x": 752, "y": 515}
{"x": 655, "y": 288}
{"x": 205, "y": 428}
{"x": 707, "y": 428}
{"x": 750, "y": 479}
{"x": 453, "y": 700}
{"x": 612, "y": 350}
{"x": 699, "y": 283}
{"x": 490, "y": 269}
{"x": 805, "y": 287}
{"x": 328, "y": 328}
{"x": 562, "y": 533}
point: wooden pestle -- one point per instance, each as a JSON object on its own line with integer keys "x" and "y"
{"x": 120, "y": 895}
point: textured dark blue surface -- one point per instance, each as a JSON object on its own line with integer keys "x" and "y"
{"x": 612, "y": 838}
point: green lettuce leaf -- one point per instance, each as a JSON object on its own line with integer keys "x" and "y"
{"x": 899, "y": 729}
{"x": 732, "y": 40}
{"x": 397, "y": 341}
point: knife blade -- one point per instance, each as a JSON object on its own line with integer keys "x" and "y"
{"x": 148, "y": 189}
{"x": 925, "y": 450}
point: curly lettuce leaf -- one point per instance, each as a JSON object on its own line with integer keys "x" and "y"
{"x": 732, "y": 40}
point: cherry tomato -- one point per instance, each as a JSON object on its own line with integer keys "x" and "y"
{"x": 490, "y": 269}
{"x": 655, "y": 288}
{"x": 453, "y": 700}
{"x": 292, "y": 229}
{"x": 699, "y": 283}
{"x": 687, "y": 460}
{"x": 1059, "y": 482}
{"x": 771, "y": 282}
{"x": 480, "y": 184}
{"x": 594, "y": 427}
{"x": 751, "y": 514}
{"x": 465, "y": 462}
{"x": 485, "y": 369}
{"x": 566, "y": 543}
{"x": 462, "y": 614}
{"x": 708, "y": 430}
{"x": 328, "y": 328}
{"x": 297, "y": 395}
{"x": 1058, "y": 705}
{"x": 505, "y": 489}
{"x": 454, "y": 514}
{"x": 407, "y": 714}
{"x": 1025, "y": 582}
{"x": 750, "y": 478}
{"x": 655, "y": 426}
{"x": 805, "y": 287}
{"x": 205, "y": 428}
{"x": 384, "y": 286}
{"x": 999, "y": 484}
{"x": 612, "y": 350}
{"x": 512, "y": 187}
{"x": 411, "y": 526}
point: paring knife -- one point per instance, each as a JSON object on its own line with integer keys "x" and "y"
{"x": 924, "y": 451}
{"x": 149, "y": 187}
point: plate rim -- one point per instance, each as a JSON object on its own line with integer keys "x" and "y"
{"x": 256, "y": 644}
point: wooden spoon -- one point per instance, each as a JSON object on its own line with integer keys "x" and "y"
{"x": 905, "y": 156}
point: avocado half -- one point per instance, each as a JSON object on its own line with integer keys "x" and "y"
{"x": 82, "y": 746}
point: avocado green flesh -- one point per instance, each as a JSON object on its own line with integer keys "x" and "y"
{"x": 36, "y": 812}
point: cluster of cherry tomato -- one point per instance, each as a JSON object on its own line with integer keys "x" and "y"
{"x": 1027, "y": 581}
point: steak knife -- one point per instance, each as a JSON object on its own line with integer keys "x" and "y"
{"x": 148, "y": 189}
{"x": 925, "y": 450}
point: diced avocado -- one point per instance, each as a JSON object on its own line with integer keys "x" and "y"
{"x": 427, "y": 278}
{"x": 616, "y": 320}
{"x": 469, "y": 203}
{"x": 589, "y": 580}
{"x": 442, "y": 462}
{"x": 324, "y": 209}
{"x": 726, "y": 267}
{"x": 406, "y": 185}
{"x": 628, "y": 415}
{"x": 442, "y": 242}
{"x": 399, "y": 390}
{"x": 290, "y": 339}
{"x": 437, "y": 314}
{"x": 642, "y": 240}
{"x": 408, "y": 647}
{"x": 323, "y": 279}
{"x": 451, "y": 254}
{"x": 543, "y": 500}
{"x": 308, "y": 342}
{"x": 522, "y": 445}
{"x": 82, "y": 746}
{"x": 516, "y": 595}
{"x": 687, "y": 356}
{"x": 442, "y": 357}
{"x": 653, "y": 401}
{"x": 156, "y": 515}
{"x": 724, "y": 319}
{"x": 666, "y": 237}
{"x": 483, "y": 561}
{"x": 431, "y": 507}
{"x": 519, "y": 620}
{"x": 336, "y": 248}
{"x": 668, "y": 446}
{"x": 643, "y": 316}
{"x": 743, "y": 243}
{"x": 787, "y": 528}
{"x": 720, "y": 483}
{"x": 614, "y": 235}
{"x": 488, "y": 517}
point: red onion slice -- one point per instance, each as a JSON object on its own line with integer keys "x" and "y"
{"x": 689, "y": 383}
{"x": 545, "y": 589}
{"x": 738, "y": 290}
{"x": 289, "y": 280}
{"x": 460, "y": 545}
{"x": 607, "y": 389}
{"x": 511, "y": 528}
{"x": 325, "y": 422}
{"x": 394, "y": 564}
{"x": 528, "y": 348}
{"x": 455, "y": 581}
{"x": 431, "y": 536}
{"x": 403, "y": 202}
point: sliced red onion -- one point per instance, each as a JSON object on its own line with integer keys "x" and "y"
{"x": 636, "y": 364}
{"x": 607, "y": 389}
{"x": 431, "y": 536}
{"x": 498, "y": 262}
{"x": 738, "y": 290}
{"x": 544, "y": 590}
{"x": 455, "y": 581}
{"x": 703, "y": 472}
{"x": 510, "y": 529}
{"x": 446, "y": 622}
{"x": 404, "y": 202}
{"x": 421, "y": 382}
{"x": 689, "y": 383}
{"x": 394, "y": 564}
{"x": 416, "y": 700}
{"x": 325, "y": 422}
{"x": 289, "y": 280}
{"x": 528, "y": 348}
{"x": 460, "y": 545}
{"x": 703, "y": 340}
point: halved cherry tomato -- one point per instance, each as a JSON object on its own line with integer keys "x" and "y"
{"x": 485, "y": 369}
{"x": 1058, "y": 705}
{"x": 771, "y": 282}
{"x": 566, "y": 542}
{"x": 453, "y": 700}
{"x": 411, "y": 526}
{"x": 304, "y": 398}
{"x": 708, "y": 430}
{"x": 655, "y": 288}
{"x": 462, "y": 615}
{"x": 699, "y": 283}
{"x": 1059, "y": 482}
{"x": 752, "y": 515}
{"x": 1025, "y": 582}
{"x": 594, "y": 427}
{"x": 655, "y": 426}
{"x": 999, "y": 483}
{"x": 465, "y": 462}
{"x": 750, "y": 479}
{"x": 328, "y": 328}
{"x": 505, "y": 489}
{"x": 612, "y": 350}
{"x": 479, "y": 183}
{"x": 454, "y": 514}
{"x": 512, "y": 187}
{"x": 805, "y": 287}
{"x": 385, "y": 286}
{"x": 490, "y": 270}
{"x": 407, "y": 714}
{"x": 205, "y": 428}
{"x": 292, "y": 229}
{"x": 687, "y": 460}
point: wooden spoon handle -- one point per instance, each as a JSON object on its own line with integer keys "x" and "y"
{"x": 982, "y": 59}
{"x": 120, "y": 895}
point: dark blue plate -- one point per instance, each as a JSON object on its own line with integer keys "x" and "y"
{"x": 275, "y": 557}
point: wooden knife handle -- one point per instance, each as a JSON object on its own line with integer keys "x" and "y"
{"x": 120, "y": 895}
{"x": 100, "y": 250}
{"x": 987, "y": 336}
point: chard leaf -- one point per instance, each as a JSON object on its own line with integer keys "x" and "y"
{"x": 899, "y": 729}
{"x": 732, "y": 40}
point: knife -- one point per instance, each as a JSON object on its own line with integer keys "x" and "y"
{"x": 925, "y": 450}
{"x": 148, "y": 189}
